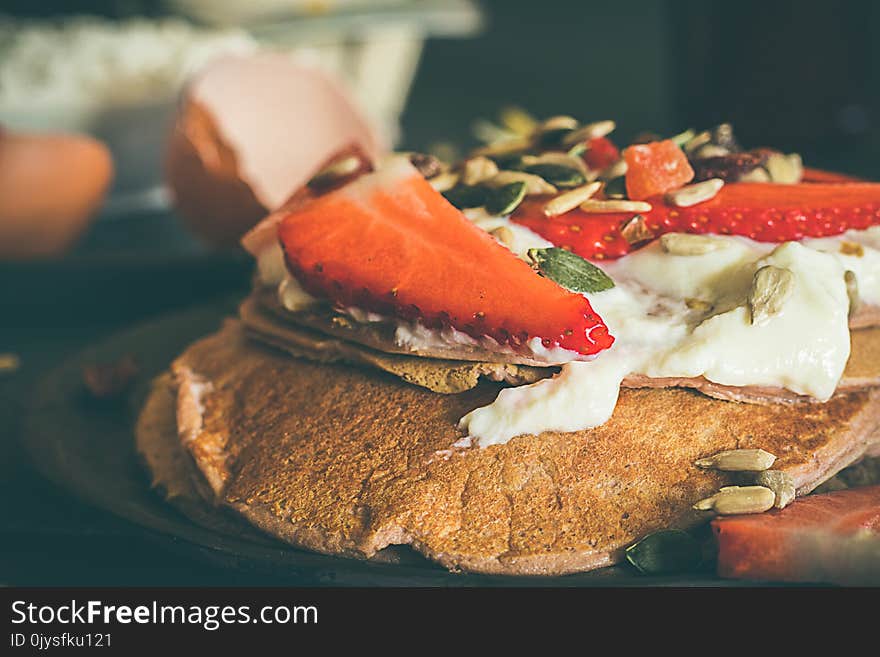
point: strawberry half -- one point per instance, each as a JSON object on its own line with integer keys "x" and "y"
{"x": 389, "y": 243}
{"x": 765, "y": 212}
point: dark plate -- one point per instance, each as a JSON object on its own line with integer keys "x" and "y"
{"x": 88, "y": 449}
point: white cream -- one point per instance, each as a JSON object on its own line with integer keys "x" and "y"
{"x": 804, "y": 348}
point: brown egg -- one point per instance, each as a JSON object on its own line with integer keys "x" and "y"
{"x": 251, "y": 130}
{"x": 50, "y": 186}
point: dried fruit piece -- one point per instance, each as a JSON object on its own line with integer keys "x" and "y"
{"x": 655, "y": 168}
{"x": 729, "y": 168}
{"x": 600, "y": 153}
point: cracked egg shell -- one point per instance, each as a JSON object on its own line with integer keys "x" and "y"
{"x": 251, "y": 131}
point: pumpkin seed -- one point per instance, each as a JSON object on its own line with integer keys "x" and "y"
{"x": 562, "y": 159}
{"x": 534, "y": 184}
{"x": 736, "y": 500}
{"x": 504, "y": 200}
{"x": 598, "y": 207}
{"x": 685, "y": 244}
{"x": 589, "y": 131}
{"x": 636, "y": 230}
{"x": 477, "y": 169}
{"x": 555, "y": 174}
{"x": 570, "y": 199}
{"x": 852, "y": 249}
{"x": 444, "y": 181}
{"x": 336, "y": 171}
{"x": 466, "y": 196}
{"x": 852, "y": 291}
{"x": 738, "y": 460}
{"x": 570, "y": 270}
{"x": 665, "y": 552}
{"x": 771, "y": 288}
{"x": 782, "y": 485}
{"x": 699, "y": 192}
{"x": 785, "y": 169}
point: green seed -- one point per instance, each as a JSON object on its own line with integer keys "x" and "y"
{"x": 558, "y": 175}
{"x": 664, "y": 552}
{"x": 505, "y": 199}
{"x": 570, "y": 270}
{"x": 466, "y": 196}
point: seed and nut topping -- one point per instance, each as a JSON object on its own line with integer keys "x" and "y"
{"x": 782, "y": 485}
{"x": 699, "y": 192}
{"x": 570, "y": 199}
{"x": 785, "y": 169}
{"x": 589, "y": 131}
{"x": 511, "y": 146}
{"x": 738, "y": 460}
{"x": 570, "y": 270}
{"x": 557, "y": 174}
{"x": 504, "y": 200}
{"x": 636, "y": 230}
{"x": 445, "y": 181}
{"x": 598, "y": 207}
{"x": 736, "y": 500}
{"x": 534, "y": 184}
{"x": 504, "y": 235}
{"x": 685, "y": 244}
{"x": 561, "y": 159}
{"x": 477, "y": 169}
{"x": 771, "y": 288}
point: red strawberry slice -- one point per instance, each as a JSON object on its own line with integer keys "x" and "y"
{"x": 762, "y": 211}
{"x": 389, "y": 243}
{"x": 819, "y": 538}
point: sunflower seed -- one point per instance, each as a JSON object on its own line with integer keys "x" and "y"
{"x": 699, "y": 192}
{"x": 852, "y": 249}
{"x": 615, "y": 170}
{"x": 570, "y": 199}
{"x": 477, "y": 169}
{"x": 555, "y": 174}
{"x": 562, "y": 159}
{"x": 444, "y": 181}
{"x": 589, "y": 131}
{"x": 518, "y": 121}
{"x": 735, "y": 500}
{"x": 635, "y": 230}
{"x": 504, "y": 147}
{"x": 785, "y": 169}
{"x": 738, "y": 460}
{"x": 709, "y": 150}
{"x": 852, "y": 291}
{"x": 534, "y": 184}
{"x": 336, "y": 171}
{"x": 598, "y": 207}
{"x": 685, "y": 244}
{"x": 771, "y": 288}
{"x": 504, "y": 235}
{"x": 503, "y": 200}
{"x": 782, "y": 485}
{"x": 558, "y": 123}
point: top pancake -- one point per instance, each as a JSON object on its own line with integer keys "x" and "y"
{"x": 347, "y": 461}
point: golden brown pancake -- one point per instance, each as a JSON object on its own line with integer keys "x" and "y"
{"x": 347, "y": 461}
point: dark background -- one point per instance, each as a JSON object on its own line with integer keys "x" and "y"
{"x": 804, "y": 76}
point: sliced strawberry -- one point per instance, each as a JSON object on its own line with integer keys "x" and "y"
{"x": 819, "y": 538}
{"x": 655, "y": 168}
{"x": 762, "y": 211}
{"x": 390, "y": 243}
{"x": 601, "y": 153}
